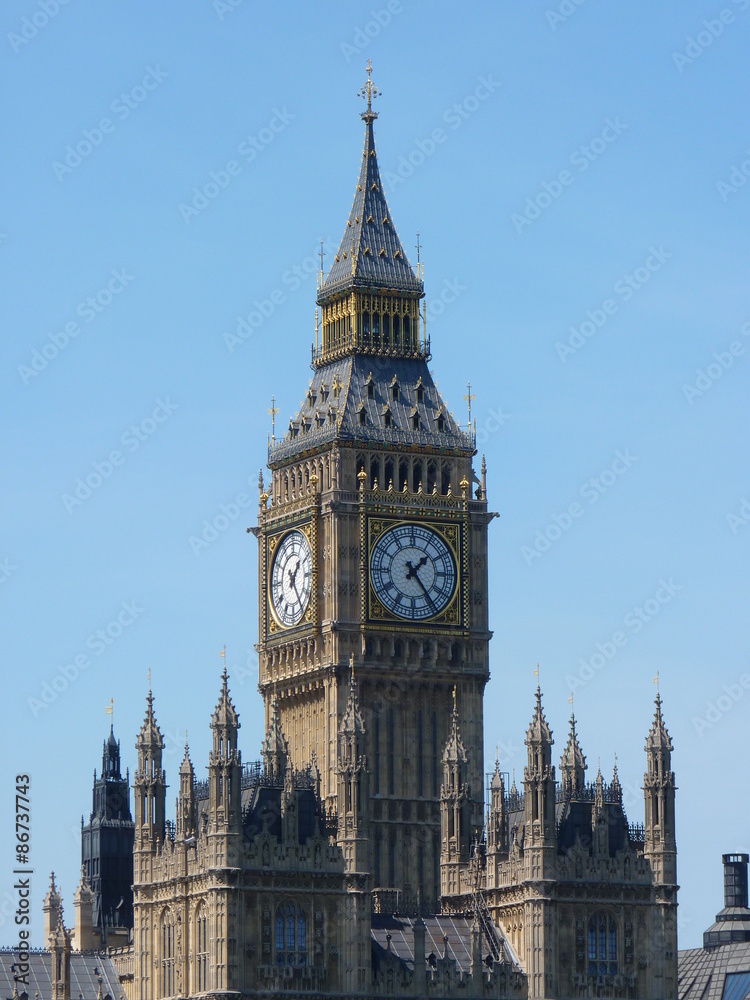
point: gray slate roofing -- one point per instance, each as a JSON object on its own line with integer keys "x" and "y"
{"x": 324, "y": 417}
{"x": 370, "y": 237}
{"x": 456, "y": 929}
{"x": 721, "y": 973}
{"x": 85, "y": 970}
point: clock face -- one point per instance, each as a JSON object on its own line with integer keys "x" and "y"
{"x": 291, "y": 578}
{"x": 413, "y": 571}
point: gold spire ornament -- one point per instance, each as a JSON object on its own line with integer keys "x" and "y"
{"x": 273, "y": 410}
{"x": 368, "y": 92}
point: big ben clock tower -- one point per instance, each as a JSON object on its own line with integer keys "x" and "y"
{"x": 373, "y": 555}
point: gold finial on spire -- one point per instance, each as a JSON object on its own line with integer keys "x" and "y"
{"x": 468, "y": 397}
{"x": 149, "y": 680}
{"x": 322, "y": 254}
{"x": 656, "y": 681}
{"x": 110, "y": 710}
{"x": 273, "y": 410}
{"x": 368, "y": 91}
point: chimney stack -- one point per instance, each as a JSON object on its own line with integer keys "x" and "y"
{"x": 735, "y": 880}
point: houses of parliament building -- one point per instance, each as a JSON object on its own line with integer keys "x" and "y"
{"x": 358, "y": 857}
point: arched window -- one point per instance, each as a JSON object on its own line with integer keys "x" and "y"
{"x": 602, "y": 945}
{"x": 396, "y": 331}
{"x": 201, "y": 949}
{"x": 407, "y": 332}
{"x": 291, "y": 935}
{"x": 376, "y": 329}
{"x": 167, "y": 954}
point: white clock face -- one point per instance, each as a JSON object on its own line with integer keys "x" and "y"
{"x": 413, "y": 571}
{"x": 291, "y": 578}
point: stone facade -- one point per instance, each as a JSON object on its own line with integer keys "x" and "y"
{"x": 327, "y": 867}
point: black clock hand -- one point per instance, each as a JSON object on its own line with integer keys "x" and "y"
{"x": 414, "y": 570}
{"x": 414, "y": 575}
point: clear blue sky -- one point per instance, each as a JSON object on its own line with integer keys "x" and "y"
{"x": 587, "y": 170}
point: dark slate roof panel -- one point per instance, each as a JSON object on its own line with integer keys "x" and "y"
{"x": 370, "y": 238}
{"x": 707, "y": 974}
{"x": 85, "y": 970}
{"x": 457, "y": 929}
{"x": 327, "y": 414}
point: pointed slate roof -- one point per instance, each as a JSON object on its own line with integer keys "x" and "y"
{"x": 186, "y": 767}
{"x": 150, "y": 734}
{"x": 455, "y": 752}
{"x": 351, "y": 722}
{"x": 658, "y": 737}
{"x": 275, "y": 748}
{"x": 572, "y": 757}
{"x": 371, "y": 254}
{"x": 225, "y": 714}
{"x": 539, "y": 731}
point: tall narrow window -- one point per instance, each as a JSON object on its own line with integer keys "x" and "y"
{"x": 407, "y": 332}
{"x": 377, "y": 858}
{"x": 390, "y": 753}
{"x": 434, "y": 755}
{"x": 420, "y": 757}
{"x": 396, "y": 331}
{"x": 280, "y": 935}
{"x": 376, "y": 739}
{"x": 167, "y": 955}
{"x": 290, "y": 926}
{"x": 386, "y": 330}
{"x": 602, "y": 945}
{"x": 201, "y": 927}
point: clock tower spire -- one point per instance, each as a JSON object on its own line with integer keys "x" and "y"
{"x": 373, "y": 545}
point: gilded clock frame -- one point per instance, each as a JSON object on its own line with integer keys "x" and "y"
{"x": 274, "y": 627}
{"x": 451, "y": 531}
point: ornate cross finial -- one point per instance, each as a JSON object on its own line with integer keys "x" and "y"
{"x": 149, "y": 680}
{"x": 322, "y": 255}
{"x": 418, "y": 246}
{"x": 110, "y": 710}
{"x": 656, "y": 681}
{"x": 468, "y": 397}
{"x": 273, "y": 410}
{"x": 223, "y": 655}
{"x": 368, "y": 92}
